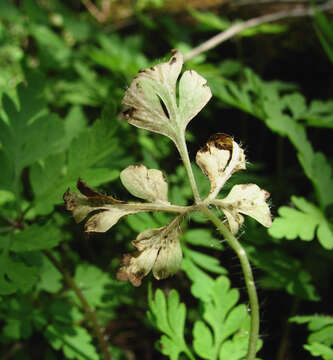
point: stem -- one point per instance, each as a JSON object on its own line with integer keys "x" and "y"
{"x": 89, "y": 311}
{"x": 182, "y": 148}
{"x": 239, "y": 27}
{"x": 250, "y": 285}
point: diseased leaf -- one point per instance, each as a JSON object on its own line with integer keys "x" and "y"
{"x": 246, "y": 199}
{"x": 158, "y": 250}
{"x": 219, "y": 159}
{"x": 89, "y": 200}
{"x": 151, "y": 100}
{"x": 147, "y": 184}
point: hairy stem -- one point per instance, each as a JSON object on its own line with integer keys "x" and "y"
{"x": 182, "y": 148}
{"x": 89, "y": 311}
{"x": 250, "y": 285}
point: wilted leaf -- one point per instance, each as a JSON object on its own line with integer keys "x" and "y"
{"x": 89, "y": 200}
{"x": 247, "y": 199}
{"x": 219, "y": 159}
{"x": 158, "y": 250}
{"x": 148, "y": 184}
{"x": 151, "y": 100}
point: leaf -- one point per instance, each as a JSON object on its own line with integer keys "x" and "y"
{"x": 202, "y": 237}
{"x": 264, "y": 101}
{"x": 246, "y": 199}
{"x": 324, "y": 30}
{"x": 34, "y": 238}
{"x": 51, "y": 178}
{"x": 88, "y": 200}
{"x": 20, "y": 318}
{"x": 203, "y": 344}
{"x": 284, "y": 271}
{"x": 206, "y": 262}
{"x": 75, "y": 341}
{"x": 219, "y": 159}
{"x": 168, "y": 315}
{"x": 119, "y": 54}
{"x": 147, "y": 184}
{"x": 93, "y": 284}
{"x": 158, "y": 250}
{"x": 29, "y": 132}
{"x": 319, "y": 114}
{"x": 317, "y": 349}
{"x": 16, "y": 274}
{"x": 320, "y": 340}
{"x": 303, "y": 222}
{"x": 50, "y": 279}
{"x": 151, "y": 101}
{"x": 202, "y": 284}
{"x": 228, "y": 324}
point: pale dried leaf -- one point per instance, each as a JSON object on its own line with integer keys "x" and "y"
{"x": 151, "y": 100}
{"x": 219, "y": 159}
{"x": 247, "y": 199}
{"x": 158, "y": 250}
{"x": 81, "y": 205}
{"x": 148, "y": 184}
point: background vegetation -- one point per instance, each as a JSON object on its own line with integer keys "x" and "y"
{"x": 64, "y": 67}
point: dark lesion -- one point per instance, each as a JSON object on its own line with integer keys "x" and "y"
{"x": 164, "y": 108}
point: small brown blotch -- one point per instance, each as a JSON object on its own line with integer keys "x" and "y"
{"x": 172, "y": 60}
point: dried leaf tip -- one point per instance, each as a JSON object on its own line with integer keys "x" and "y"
{"x": 159, "y": 251}
{"x": 88, "y": 200}
{"x": 219, "y": 158}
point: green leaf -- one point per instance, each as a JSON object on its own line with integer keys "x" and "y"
{"x": 203, "y": 344}
{"x": 302, "y": 222}
{"x": 119, "y": 54}
{"x": 319, "y": 114}
{"x": 93, "y": 283}
{"x": 75, "y": 341}
{"x": 202, "y": 237}
{"x": 228, "y": 325}
{"x": 16, "y": 274}
{"x": 168, "y": 315}
{"x": 317, "y": 349}
{"x": 50, "y": 278}
{"x": 29, "y": 132}
{"x": 205, "y": 261}
{"x": 320, "y": 340}
{"x": 21, "y": 318}
{"x": 284, "y": 272}
{"x": 324, "y": 30}
{"x": 51, "y": 178}
{"x": 202, "y": 284}
{"x": 34, "y": 238}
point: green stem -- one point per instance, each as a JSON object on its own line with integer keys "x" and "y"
{"x": 182, "y": 148}
{"x": 250, "y": 285}
{"x": 89, "y": 311}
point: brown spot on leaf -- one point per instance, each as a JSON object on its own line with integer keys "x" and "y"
{"x": 172, "y": 60}
{"x": 86, "y": 190}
